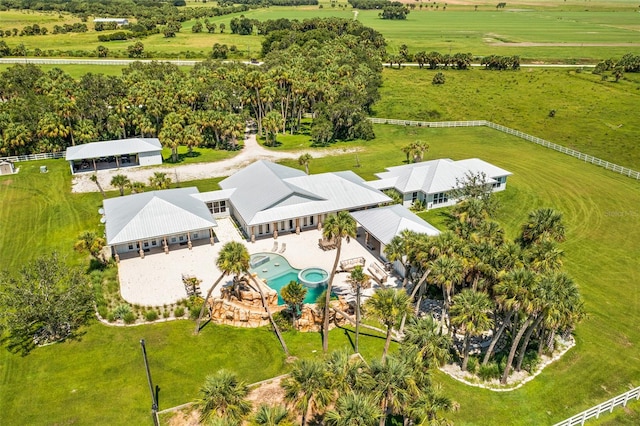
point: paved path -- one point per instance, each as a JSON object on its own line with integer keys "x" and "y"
{"x": 251, "y": 152}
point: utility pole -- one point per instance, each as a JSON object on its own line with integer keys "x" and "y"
{"x": 154, "y": 401}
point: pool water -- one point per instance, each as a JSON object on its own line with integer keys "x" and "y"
{"x": 278, "y": 273}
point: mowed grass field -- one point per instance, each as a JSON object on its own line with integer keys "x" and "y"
{"x": 585, "y": 32}
{"x": 592, "y": 116}
{"x": 104, "y": 382}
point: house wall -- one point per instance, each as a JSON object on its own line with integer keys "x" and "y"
{"x": 149, "y": 158}
{"x": 157, "y": 243}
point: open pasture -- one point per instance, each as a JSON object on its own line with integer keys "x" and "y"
{"x": 542, "y": 31}
{"x": 592, "y": 116}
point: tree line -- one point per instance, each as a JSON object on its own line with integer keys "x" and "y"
{"x": 334, "y": 76}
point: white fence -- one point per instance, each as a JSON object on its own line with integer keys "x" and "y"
{"x": 572, "y": 152}
{"x": 594, "y": 412}
{"x": 32, "y": 157}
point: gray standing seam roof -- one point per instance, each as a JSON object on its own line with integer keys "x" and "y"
{"x": 154, "y": 214}
{"x": 113, "y": 148}
{"x": 384, "y": 223}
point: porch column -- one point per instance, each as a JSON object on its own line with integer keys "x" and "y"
{"x": 253, "y": 234}
{"x": 117, "y": 162}
{"x": 166, "y": 246}
{"x": 95, "y": 168}
{"x": 297, "y": 226}
{"x": 141, "y": 251}
{"x": 117, "y": 257}
{"x": 275, "y": 230}
{"x": 366, "y": 238}
{"x": 189, "y": 240}
{"x": 212, "y": 238}
{"x": 319, "y": 222}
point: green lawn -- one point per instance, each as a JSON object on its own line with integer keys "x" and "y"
{"x": 101, "y": 379}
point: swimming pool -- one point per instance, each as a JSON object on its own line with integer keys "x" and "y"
{"x": 278, "y": 273}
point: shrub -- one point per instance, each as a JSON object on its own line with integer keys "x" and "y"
{"x": 121, "y": 311}
{"x": 489, "y": 371}
{"x": 103, "y": 311}
{"x": 179, "y": 312}
{"x": 129, "y": 318}
{"x": 472, "y": 364}
{"x": 195, "y": 305}
{"x": 165, "y": 313}
{"x": 531, "y": 361}
{"x": 283, "y": 321}
{"x": 439, "y": 78}
{"x": 111, "y": 317}
{"x": 151, "y": 315}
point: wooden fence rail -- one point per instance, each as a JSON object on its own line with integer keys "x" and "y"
{"x": 594, "y": 412}
{"x": 572, "y": 152}
{"x": 33, "y": 157}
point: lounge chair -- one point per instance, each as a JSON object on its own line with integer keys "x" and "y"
{"x": 275, "y": 246}
{"x": 283, "y": 248}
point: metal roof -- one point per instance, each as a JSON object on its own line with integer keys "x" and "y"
{"x": 154, "y": 214}
{"x": 435, "y": 176}
{"x": 113, "y": 148}
{"x": 384, "y": 223}
{"x": 266, "y": 192}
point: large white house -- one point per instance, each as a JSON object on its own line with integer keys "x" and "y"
{"x": 267, "y": 198}
{"x": 431, "y": 182}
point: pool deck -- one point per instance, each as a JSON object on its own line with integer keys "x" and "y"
{"x": 156, "y": 280}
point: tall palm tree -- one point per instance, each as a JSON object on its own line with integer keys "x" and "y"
{"x": 307, "y": 387}
{"x": 120, "y": 182}
{"x": 545, "y": 223}
{"x": 425, "y": 410}
{"x": 267, "y": 309}
{"x": 233, "y": 259}
{"x": 395, "y": 385}
{"x": 336, "y": 227}
{"x": 433, "y": 347}
{"x": 446, "y": 272}
{"x": 223, "y": 396}
{"x": 348, "y": 373}
{"x": 304, "y": 160}
{"x": 94, "y": 179}
{"x": 470, "y": 310}
{"x": 398, "y": 251}
{"x": 358, "y": 280}
{"x": 354, "y": 409}
{"x": 272, "y": 415}
{"x": 389, "y": 306}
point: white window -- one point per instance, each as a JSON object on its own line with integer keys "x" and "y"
{"x": 441, "y": 197}
{"x": 130, "y": 246}
{"x": 146, "y": 243}
{"x": 414, "y": 197}
{"x": 259, "y": 229}
{"x": 311, "y": 218}
{"x": 304, "y": 221}
{"x": 154, "y": 243}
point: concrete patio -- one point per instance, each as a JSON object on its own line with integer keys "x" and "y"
{"x": 156, "y": 280}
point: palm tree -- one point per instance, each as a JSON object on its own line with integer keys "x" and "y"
{"x": 354, "y": 409}
{"x": 120, "y": 182}
{"x": 433, "y": 347}
{"x": 389, "y": 306}
{"x": 398, "y": 251}
{"x": 446, "y": 272}
{"x": 94, "y": 179}
{"x": 304, "y": 160}
{"x": 223, "y": 396}
{"x": 336, "y": 227}
{"x": 358, "y": 280}
{"x": 470, "y": 310}
{"x": 293, "y": 295}
{"x": 272, "y": 415}
{"x": 307, "y": 387}
{"x": 543, "y": 224}
{"x": 348, "y": 373}
{"x": 136, "y": 187}
{"x": 395, "y": 384}
{"x": 272, "y": 122}
{"x": 89, "y": 241}
{"x": 232, "y": 259}
{"x": 170, "y": 134}
{"x": 425, "y": 409}
{"x": 159, "y": 180}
